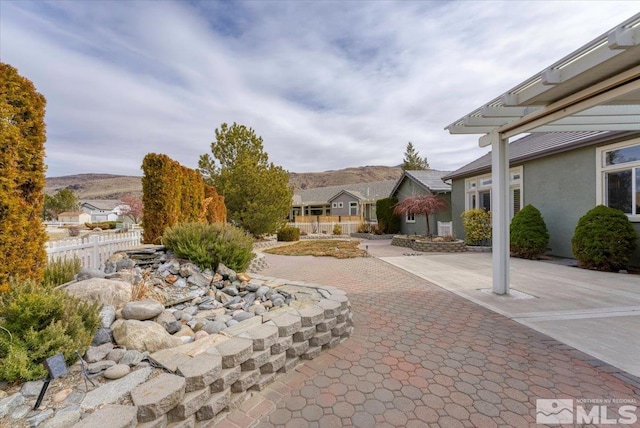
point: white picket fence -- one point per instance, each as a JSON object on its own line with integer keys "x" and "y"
{"x": 93, "y": 250}
{"x": 326, "y": 228}
{"x": 445, "y": 228}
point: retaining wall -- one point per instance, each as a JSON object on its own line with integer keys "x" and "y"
{"x": 206, "y": 379}
{"x": 429, "y": 246}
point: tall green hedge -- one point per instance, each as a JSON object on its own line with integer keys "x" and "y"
{"x": 387, "y": 220}
{"x": 22, "y": 138}
{"x": 172, "y": 194}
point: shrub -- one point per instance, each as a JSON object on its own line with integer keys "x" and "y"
{"x": 73, "y": 231}
{"x": 604, "y": 239}
{"x": 103, "y": 225}
{"x": 289, "y": 234}
{"x": 38, "y": 323}
{"x": 61, "y": 271}
{"x": 388, "y": 222}
{"x": 364, "y": 228}
{"x": 207, "y": 245}
{"x": 477, "y": 226}
{"x": 337, "y": 229}
{"x": 528, "y": 234}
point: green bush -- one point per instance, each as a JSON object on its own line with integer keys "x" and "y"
{"x": 207, "y": 245}
{"x": 61, "y": 271}
{"x": 289, "y": 234}
{"x": 528, "y": 234}
{"x": 604, "y": 239}
{"x": 337, "y": 229}
{"x": 477, "y": 227}
{"x": 37, "y": 323}
{"x": 104, "y": 225}
{"x": 388, "y": 222}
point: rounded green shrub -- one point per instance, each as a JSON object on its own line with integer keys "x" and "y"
{"x": 207, "y": 245}
{"x": 604, "y": 239}
{"x": 39, "y": 322}
{"x": 337, "y": 229}
{"x": 528, "y": 234}
{"x": 477, "y": 226}
{"x": 289, "y": 234}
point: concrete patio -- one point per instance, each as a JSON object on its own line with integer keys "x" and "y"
{"x": 595, "y": 312}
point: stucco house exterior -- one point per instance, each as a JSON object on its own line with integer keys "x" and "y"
{"x": 74, "y": 217}
{"x": 413, "y": 183}
{"x": 564, "y": 175}
{"x": 103, "y": 209}
{"x": 353, "y": 201}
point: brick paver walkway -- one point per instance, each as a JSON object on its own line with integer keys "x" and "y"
{"x": 421, "y": 356}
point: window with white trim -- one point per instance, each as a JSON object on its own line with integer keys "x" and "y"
{"x": 619, "y": 177}
{"x": 334, "y": 205}
{"x": 410, "y": 218}
{"x": 353, "y": 208}
{"x": 478, "y": 191}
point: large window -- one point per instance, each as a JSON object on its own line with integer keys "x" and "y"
{"x": 619, "y": 177}
{"x": 478, "y": 191}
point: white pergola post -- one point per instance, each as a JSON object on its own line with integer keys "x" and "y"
{"x": 500, "y": 212}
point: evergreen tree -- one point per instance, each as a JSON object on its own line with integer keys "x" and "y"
{"x": 412, "y": 160}
{"x": 63, "y": 200}
{"x": 256, "y": 192}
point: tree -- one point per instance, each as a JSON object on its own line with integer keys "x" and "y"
{"x": 412, "y": 160}
{"x": 421, "y": 205}
{"x": 256, "y": 192}
{"x": 528, "y": 234}
{"x": 22, "y": 138}
{"x": 133, "y": 208}
{"x": 63, "y": 200}
{"x": 387, "y": 220}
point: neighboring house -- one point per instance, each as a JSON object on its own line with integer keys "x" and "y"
{"x": 74, "y": 217}
{"x": 350, "y": 200}
{"x": 414, "y": 183}
{"x": 103, "y": 209}
{"x": 564, "y": 175}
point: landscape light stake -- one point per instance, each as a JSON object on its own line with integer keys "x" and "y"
{"x": 56, "y": 367}
{"x": 85, "y": 374}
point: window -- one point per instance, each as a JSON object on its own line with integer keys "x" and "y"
{"x": 410, "y": 218}
{"x": 619, "y": 177}
{"x": 479, "y": 191}
{"x": 353, "y": 208}
{"x": 340, "y": 205}
{"x": 334, "y": 205}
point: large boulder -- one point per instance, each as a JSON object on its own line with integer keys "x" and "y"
{"x": 142, "y": 310}
{"x": 143, "y": 335}
{"x": 102, "y": 291}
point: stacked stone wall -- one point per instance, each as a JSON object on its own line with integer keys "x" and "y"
{"x": 429, "y": 246}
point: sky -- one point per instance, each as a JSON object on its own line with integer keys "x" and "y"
{"x": 327, "y": 85}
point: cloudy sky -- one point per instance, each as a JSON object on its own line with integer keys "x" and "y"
{"x": 326, "y": 84}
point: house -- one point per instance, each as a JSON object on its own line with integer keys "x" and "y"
{"x": 563, "y": 174}
{"x": 74, "y": 217}
{"x": 427, "y": 182}
{"x": 354, "y": 201}
{"x": 103, "y": 209}
{"x": 594, "y": 88}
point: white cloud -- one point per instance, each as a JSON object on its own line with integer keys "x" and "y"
{"x": 326, "y": 84}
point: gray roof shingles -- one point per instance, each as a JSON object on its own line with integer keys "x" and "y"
{"x": 369, "y": 191}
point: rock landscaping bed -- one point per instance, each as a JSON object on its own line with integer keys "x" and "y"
{"x": 196, "y": 344}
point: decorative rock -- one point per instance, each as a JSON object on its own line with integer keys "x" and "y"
{"x": 143, "y": 335}
{"x": 31, "y": 389}
{"x": 157, "y": 396}
{"x": 227, "y": 274}
{"x": 200, "y": 372}
{"x": 235, "y": 351}
{"x": 227, "y": 378}
{"x": 102, "y": 336}
{"x": 252, "y": 287}
{"x": 142, "y": 310}
{"x": 184, "y": 331}
{"x": 263, "y": 336}
{"x": 214, "y": 327}
{"x": 330, "y": 307}
{"x": 62, "y": 395}
{"x": 38, "y": 417}
{"x": 169, "y": 322}
{"x": 64, "y": 418}
{"x": 99, "y": 366}
{"x": 199, "y": 335}
{"x": 116, "y": 355}
{"x": 9, "y": 404}
{"x": 282, "y": 345}
{"x": 117, "y": 371}
{"x": 97, "y": 353}
{"x": 231, "y": 291}
{"x": 243, "y": 316}
{"x": 101, "y": 291}
{"x": 216, "y": 403}
{"x": 117, "y": 416}
{"x": 244, "y": 277}
{"x": 86, "y": 273}
{"x": 107, "y": 315}
{"x": 20, "y": 412}
{"x": 131, "y": 358}
{"x": 287, "y": 324}
{"x": 311, "y": 316}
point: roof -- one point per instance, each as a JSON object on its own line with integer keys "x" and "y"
{"x": 539, "y": 145}
{"x": 429, "y": 179}
{"x": 102, "y": 204}
{"x": 322, "y": 195}
{"x": 353, "y": 193}
{"x": 595, "y": 88}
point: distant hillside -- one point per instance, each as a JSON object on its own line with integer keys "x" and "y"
{"x": 109, "y": 186}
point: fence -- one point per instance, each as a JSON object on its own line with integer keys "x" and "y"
{"x": 326, "y": 228}
{"x": 445, "y": 228}
{"x": 93, "y": 250}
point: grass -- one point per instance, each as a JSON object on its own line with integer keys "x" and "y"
{"x": 321, "y": 248}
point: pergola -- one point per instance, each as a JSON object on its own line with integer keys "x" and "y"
{"x": 595, "y": 88}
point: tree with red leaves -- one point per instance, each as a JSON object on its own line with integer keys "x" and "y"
{"x": 134, "y": 207}
{"x": 421, "y": 205}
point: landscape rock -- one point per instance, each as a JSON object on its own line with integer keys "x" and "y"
{"x": 116, "y": 354}
{"x": 87, "y": 273}
{"x": 99, "y": 366}
{"x": 65, "y": 418}
{"x": 102, "y": 336}
{"x": 113, "y": 391}
{"x": 97, "y": 353}
{"x": 213, "y": 327}
{"x": 31, "y": 389}
{"x": 142, "y": 310}
{"x": 131, "y": 358}
{"x": 157, "y": 396}
{"x": 169, "y": 322}
{"x": 102, "y": 291}
{"x": 227, "y": 274}
{"x": 10, "y": 403}
{"x": 143, "y": 335}
{"x": 39, "y": 416}
{"x": 118, "y": 416}
{"x": 117, "y": 371}
{"x": 107, "y": 315}
{"x": 62, "y": 395}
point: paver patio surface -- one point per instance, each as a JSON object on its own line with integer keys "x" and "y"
{"x": 422, "y": 356}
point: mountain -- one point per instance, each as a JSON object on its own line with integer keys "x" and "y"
{"x": 109, "y": 186}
